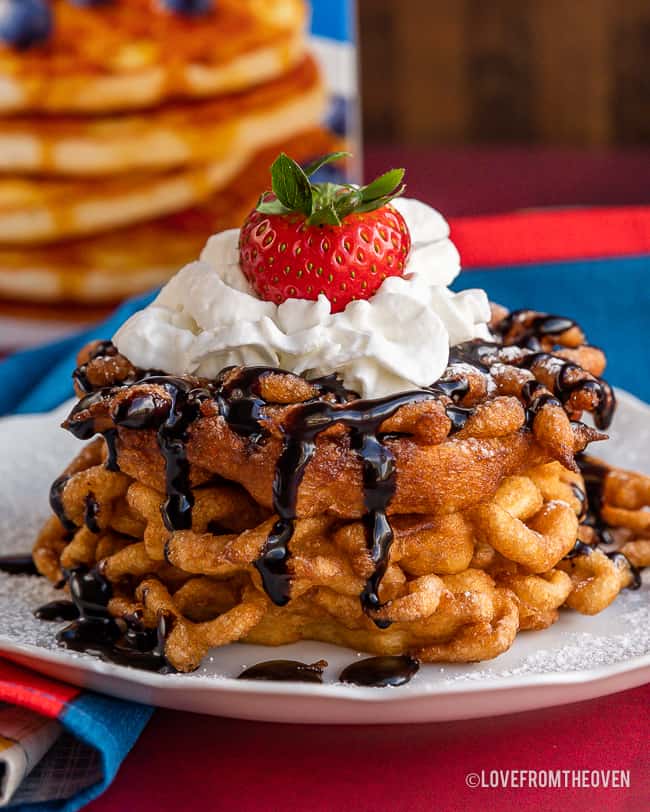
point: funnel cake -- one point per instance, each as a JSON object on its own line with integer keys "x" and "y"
{"x": 330, "y": 494}
{"x": 261, "y": 505}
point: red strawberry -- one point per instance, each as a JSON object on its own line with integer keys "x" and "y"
{"x": 311, "y": 238}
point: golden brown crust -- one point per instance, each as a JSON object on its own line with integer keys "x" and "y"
{"x": 433, "y": 474}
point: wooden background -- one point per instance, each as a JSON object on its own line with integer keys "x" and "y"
{"x": 551, "y": 72}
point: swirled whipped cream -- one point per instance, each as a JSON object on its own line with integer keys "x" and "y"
{"x": 207, "y": 317}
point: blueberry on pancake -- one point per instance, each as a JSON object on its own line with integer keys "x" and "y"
{"x": 192, "y": 8}
{"x": 24, "y": 23}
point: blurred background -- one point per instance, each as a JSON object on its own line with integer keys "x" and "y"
{"x": 531, "y": 72}
{"x": 132, "y": 130}
{"x": 491, "y": 107}
{"x": 509, "y": 103}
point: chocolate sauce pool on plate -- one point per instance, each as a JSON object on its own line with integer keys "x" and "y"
{"x": 286, "y": 671}
{"x": 381, "y": 672}
{"x": 18, "y": 564}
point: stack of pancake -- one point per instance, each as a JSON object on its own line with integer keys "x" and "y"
{"x": 132, "y": 133}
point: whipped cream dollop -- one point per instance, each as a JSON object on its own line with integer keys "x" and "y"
{"x": 207, "y": 317}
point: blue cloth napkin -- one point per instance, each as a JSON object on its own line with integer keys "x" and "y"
{"x": 99, "y": 733}
{"x": 39, "y": 379}
{"x": 610, "y": 298}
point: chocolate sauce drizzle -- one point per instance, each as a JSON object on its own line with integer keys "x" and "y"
{"x": 477, "y": 354}
{"x": 594, "y": 475}
{"x": 57, "y": 610}
{"x": 85, "y": 430}
{"x": 239, "y": 399}
{"x": 481, "y": 354}
{"x": 240, "y": 402}
{"x": 124, "y": 642}
{"x": 171, "y": 418}
{"x": 381, "y": 672}
{"x": 110, "y": 438}
{"x": 103, "y": 349}
{"x": 91, "y": 509}
{"x": 242, "y": 405}
{"x": 527, "y": 329}
{"x": 363, "y": 418}
{"x": 563, "y": 388}
{"x": 581, "y": 496}
{"x": 56, "y": 503}
{"x": 286, "y": 671}
{"x": 531, "y": 327}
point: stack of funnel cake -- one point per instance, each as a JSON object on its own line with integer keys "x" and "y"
{"x": 265, "y": 507}
{"x": 130, "y": 132}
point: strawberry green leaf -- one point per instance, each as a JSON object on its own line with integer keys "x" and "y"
{"x": 383, "y": 185}
{"x": 378, "y": 202}
{"x": 324, "y": 203}
{"x": 311, "y": 168}
{"x": 271, "y": 207}
{"x": 291, "y": 185}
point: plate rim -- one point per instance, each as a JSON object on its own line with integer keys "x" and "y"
{"x": 208, "y": 683}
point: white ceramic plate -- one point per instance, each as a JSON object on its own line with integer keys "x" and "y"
{"x": 578, "y": 658}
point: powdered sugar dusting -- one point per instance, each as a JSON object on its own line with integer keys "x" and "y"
{"x": 511, "y": 353}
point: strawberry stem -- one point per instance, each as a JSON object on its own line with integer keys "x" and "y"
{"x": 325, "y": 203}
